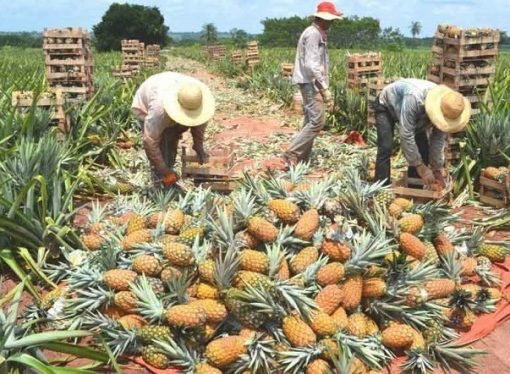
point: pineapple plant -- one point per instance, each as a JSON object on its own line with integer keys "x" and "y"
{"x": 357, "y": 325}
{"x": 92, "y": 242}
{"x": 187, "y": 315}
{"x": 206, "y": 291}
{"x": 318, "y": 366}
{"x": 214, "y": 310}
{"x": 259, "y": 227}
{"x": 340, "y": 318}
{"x": 178, "y": 254}
{"x": 334, "y": 245}
{"x": 374, "y": 287}
{"x": 137, "y": 222}
{"x": 352, "y": 292}
{"x": 322, "y": 324}
{"x": 443, "y": 244}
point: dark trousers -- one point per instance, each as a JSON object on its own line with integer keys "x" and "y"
{"x": 385, "y": 125}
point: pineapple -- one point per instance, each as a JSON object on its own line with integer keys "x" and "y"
{"x": 126, "y": 301}
{"x": 433, "y": 332}
{"x": 374, "y": 287}
{"x": 136, "y": 223}
{"x": 205, "y": 368}
{"x": 494, "y": 174}
{"x": 284, "y": 270}
{"x": 186, "y": 315}
{"x": 395, "y": 210}
{"x": 443, "y": 244}
{"x": 170, "y": 272}
{"x": 246, "y": 240}
{"x": 398, "y": 336}
{"x": 329, "y": 298}
{"x": 322, "y": 324}
{"x": 412, "y": 246}
{"x": 214, "y": 311}
{"x": 225, "y": 351}
{"x": 357, "y": 325}
{"x": 314, "y": 198}
{"x": 411, "y": 223}
{"x": 430, "y": 253}
{"x": 132, "y": 321}
{"x": 119, "y": 279}
{"x": 432, "y": 290}
{"x": 251, "y": 278}
{"x": 403, "y": 203}
{"x": 329, "y": 347}
{"x": 178, "y": 254}
{"x": 494, "y": 252}
{"x": 255, "y": 261}
{"x": 141, "y": 236}
{"x": 331, "y": 273}
{"x": 352, "y": 292}
{"x": 307, "y": 225}
{"x": 333, "y": 247}
{"x": 418, "y": 341}
{"x": 318, "y": 366}
{"x": 153, "y": 357}
{"x": 188, "y": 236}
{"x": 173, "y": 220}
{"x": 206, "y": 291}
{"x": 149, "y": 333}
{"x": 297, "y": 332}
{"x": 460, "y": 314}
{"x": 259, "y": 227}
{"x": 206, "y": 270}
{"x": 472, "y": 288}
{"x": 300, "y": 262}
{"x": 372, "y": 328}
{"x": 148, "y": 265}
{"x": 286, "y": 211}
{"x": 242, "y": 310}
{"x": 92, "y": 242}
{"x": 469, "y": 265}
{"x": 205, "y": 265}
{"x": 340, "y": 317}
{"x": 385, "y": 197}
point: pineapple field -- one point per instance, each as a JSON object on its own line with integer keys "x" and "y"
{"x": 312, "y": 270}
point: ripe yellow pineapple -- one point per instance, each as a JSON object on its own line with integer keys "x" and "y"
{"x": 152, "y": 356}
{"x": 405, "y": 204}
{"x": 150, "y": 332}
{"x": 303, "y": 259}
{"x": 122, "y": 219}
{"x": 374, "y": 287}
{"x": 178, "y": 254}
{"x": 283, "y": 271}
{"x": 297, "y": 332}
{"x": 432, "y": 290}
{"x": 92, "y": 242}
{"x": 170, "y": 272}
{"x": 430, "y": 253}
{"x": 215, "y": 311}
{"x": 329, "y": 298}
{"x": 205, "y": 368}
{"x": 352, "y": 292}
{"x": 412, "y": 246}
{"x": 119, "y": 279}
{"x": 357, "y": 325}
{"x": 372, "y": 327}
{"x": 331, "y": 273}
{"x": 329, "y": 347}
{"x": 136, "y": 223}
{"x": 188, "y": 236}
{"x": 336, "y": 250}
{"x": 395, "y": 210}
{"x": 307, "y": 225}
{"x": 462, "y": 319}
{"x": 418, "y": 341}
{"x": 185, "y": 315}
{"x": 126, "y": 301}
{"x": 322, "y": 324}
{"x": 132, "y": 321}
{"x": 340, "y": 317}
{"x": 251, "y": 278}
{"x": 206, "y": 270}
{"x": 255, "y": 261}
{"x": 468, "y": 265}
{"x": 286, "y": 211}
{"x": 494, "y": 174}
{"x": 411, "y": 223}
{"x": 225, "y": 351}
{"x": 146, "y": 264}
{"x": 443, "y": 244}
{"x": 141, "y": 236}
{"x": 262, "y": 229}
{"x": 318, "y": 366}
{"x": 494, "y": 293}
{"x": 398, "y": 336}
{"x": 206, "y": 291}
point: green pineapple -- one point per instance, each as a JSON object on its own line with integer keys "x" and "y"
{"x": 154, "y": 357}
{"x": 150, "y": 332}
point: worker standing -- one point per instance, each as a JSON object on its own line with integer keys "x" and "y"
{"x": 166, "y": 105}
{"x": 424, "y": 113}
{"x": 311, "y": 74}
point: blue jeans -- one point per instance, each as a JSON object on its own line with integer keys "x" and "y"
{"x": 301, "y": 147}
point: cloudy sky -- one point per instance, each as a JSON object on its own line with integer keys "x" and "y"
{"x": 190, "y": 15}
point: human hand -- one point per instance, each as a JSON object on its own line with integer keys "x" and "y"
{"x": 202, "y": 156}
{"x": 327, "y": 99}
{"x": 426, "y": 175}
{"x": 170, "y": 178}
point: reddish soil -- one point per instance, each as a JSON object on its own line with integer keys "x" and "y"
{"x": 249, "y": 128}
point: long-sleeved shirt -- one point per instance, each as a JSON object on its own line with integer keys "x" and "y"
{"x": 312, "y": 60}
{"x": 148, "y": 106}
{"x": 405, "y": 100}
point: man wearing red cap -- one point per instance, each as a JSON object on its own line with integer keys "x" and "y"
{"x": 311, "y": 74}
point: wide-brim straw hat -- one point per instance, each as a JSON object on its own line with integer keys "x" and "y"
{"x": 189, "y": 103}
{"x": 447, "y": 109}
{"x": 327, "y": 11}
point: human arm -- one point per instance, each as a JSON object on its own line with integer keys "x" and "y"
{"x": 154, "y": 125}
{"x": 198, "y": 135}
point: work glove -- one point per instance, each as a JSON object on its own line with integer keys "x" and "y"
{"x": 202, "y": 155}
{"x": 426, "y": 175}
{"x": 170, "y": 178}
{"x": 327, "y": 99}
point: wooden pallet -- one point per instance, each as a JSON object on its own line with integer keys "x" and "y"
{"x": 401, "y": 188}
{"x": 237, "y": 57}
{"x": 70, "y": 32}
{"x": 52, "y": 101}
{"x": 286, "y": 70}
{"x": 364, "y": 63}
{"x": 494, "y": 193}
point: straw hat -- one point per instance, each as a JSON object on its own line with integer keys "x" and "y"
{"x": 190, "y": 103}
{"x": 327, "y": 11}
{"x": 447, "y": 109}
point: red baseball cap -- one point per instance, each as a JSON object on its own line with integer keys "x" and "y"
{"x": 327, "y": 11}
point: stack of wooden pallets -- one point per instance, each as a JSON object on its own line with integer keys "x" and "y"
{"x": 286, "y": 70}
{"x": 252, "y": 54}
{"x": 362, "y": 69}
{"x": 152, "y": 56}
{"x": 68, "y": 61}
{"x": 215, "y": 52}
{"x": 237, "y": 57}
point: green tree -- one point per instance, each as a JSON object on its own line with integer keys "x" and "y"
{"x": 126, "y": 21}
{"x": 239, "y": 37}
{"x": 392, "y": 39}
{"x": 415, "y": 28}
{"x": 209, "y": 33}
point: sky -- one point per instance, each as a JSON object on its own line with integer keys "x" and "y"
{"x": 190, "y": 15}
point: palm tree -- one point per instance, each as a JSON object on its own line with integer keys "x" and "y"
{"x": 209, "y": 33}
{"x": 415, "y": 30}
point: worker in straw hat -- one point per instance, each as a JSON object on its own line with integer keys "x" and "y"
{"x": 166, "y": 105}
{"x": 425, "y": 113}
{"x": 311, "y": 74}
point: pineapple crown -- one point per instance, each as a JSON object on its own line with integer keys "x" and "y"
{"x": 261, "y": 356}
{"x": 368, "y": 249}
{"x": 275, "y": 255}
{"x": 226, "y": 266}
{"x": 179, "y": 353}
{"x": 184, "y": 201}
{"x": 297, "y": 172}
{"x": 295, "y": 360}
{"x": 286, "y": 239}
{"x": 97, "y": 213}
{"x": 244, "y": 204}
{"x": 201, "y": 250}
{"x": 461, "y": 300}
{"x": 223, "y": 229}
{"x": 150, "y": 306}
{"x": 451, "y": 266}
{"x": 163, "y": 198}
{"x": 315, "y": 196}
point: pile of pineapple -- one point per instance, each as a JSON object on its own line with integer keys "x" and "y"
{"x": 285, "y": 275}
{"x": 497, "y": 174}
